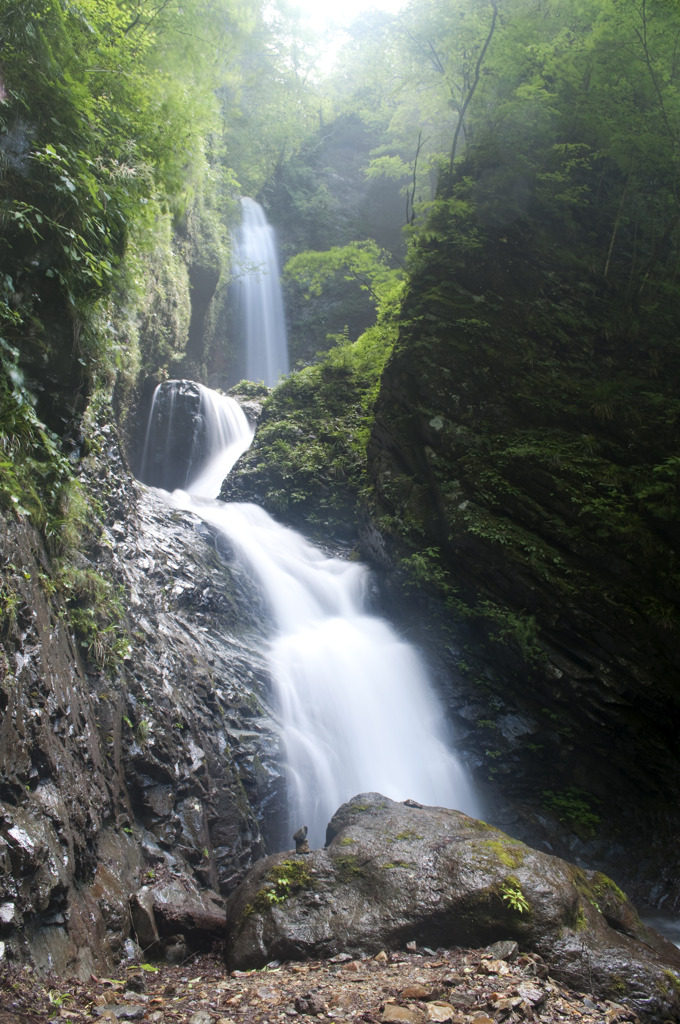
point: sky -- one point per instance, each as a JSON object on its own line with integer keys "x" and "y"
{"x": 323, "y": 14}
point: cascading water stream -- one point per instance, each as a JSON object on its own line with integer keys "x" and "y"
{"x": 356, "y": 707}
{"x": 258, "y": 300}
{"x": 195, "y": 448}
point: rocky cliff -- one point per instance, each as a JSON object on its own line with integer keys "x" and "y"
{"x": 136, "y": 744}
{"x": 523, "y": 461}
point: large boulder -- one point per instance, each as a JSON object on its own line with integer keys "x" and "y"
{"x": 391, "y": 873}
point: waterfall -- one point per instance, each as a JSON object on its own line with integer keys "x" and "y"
{"x": 193, "y": 438}
{"x": 356, "y": 707}
{"x": 357, "y": 710}
{"x": 258, "y": 299}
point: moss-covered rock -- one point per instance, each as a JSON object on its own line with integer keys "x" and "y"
{"x": 441, "y": 878}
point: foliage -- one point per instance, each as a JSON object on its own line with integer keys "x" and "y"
{"x": 572, "y": 807}
{"x": 96, "y": 613}
{"x": 282, "y": 881}
{"x": 267, "y": 101}
{"x": 36, "y": 481}
{"x": 110, "y": 140}
{"x": 308, "y": 459}
{"x": 511, "y": 893}
{"x": 363, "y": 262}
{"x": 413, "y": 76}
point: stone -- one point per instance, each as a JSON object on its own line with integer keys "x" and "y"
{"x": 181, "y": 908}
{"x": 440, "y": 1013}
{"x": 177, "y": 952}
{"x": 531, "y": 994}
{"x": 453, "y": 894}
{"x": 415, "y": 992}
{"x": 300, "y": 839}
{"x": 394, "y": 1014}
{"x": 503, "y": 950}
{"x": 493, "y": 967}
{"x": 7, "y": 913}
{"x": 311, "y": 1004}
{"x": 125, "y": 1011}
{"x": 136, "y": 982}
{"x": 143, "y": 918}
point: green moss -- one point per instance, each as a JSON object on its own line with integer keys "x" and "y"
{"x": 397, "y": 864}
{"x": 96, "y": 613}
{"x": 510, "y": 853}
{"x": 580, "y": 921}
{"x": 347, "y": 841}
{"x": 408, "y": 834}
{"x": 617, "y": 985}
{"x": 475, "y": 825}
{"x": 282, "y": 881}
{"x": 604, "y": 887}
{"x": 347, "y": 867}
{"x": 673, "y": 979}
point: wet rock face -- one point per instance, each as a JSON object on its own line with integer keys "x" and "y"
{"x": 479, "y": 462}
{"x": 118, "y": 764}
{"x": 173, "y": 442}
{"x": 393, "y": 873}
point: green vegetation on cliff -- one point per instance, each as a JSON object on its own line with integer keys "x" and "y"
{"x": 307, "y": 463}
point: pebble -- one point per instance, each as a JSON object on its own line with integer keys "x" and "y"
{"x": 440, "y": 1013}
{"x": 201, "y": 1017}
{"x": 394, "y": 1014}
{"x": 415, "y": 992}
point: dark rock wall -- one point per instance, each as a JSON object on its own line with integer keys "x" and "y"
{"x": 519, "y": 497}
{"x": 157, "y": 754}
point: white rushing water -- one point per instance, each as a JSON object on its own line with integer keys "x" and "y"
{"x": 356, "y": 707}
{"x": 258, "y": 297}
{"x": 220, "y": 432}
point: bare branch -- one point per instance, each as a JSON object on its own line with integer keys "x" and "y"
{"x": 470, "y": 94}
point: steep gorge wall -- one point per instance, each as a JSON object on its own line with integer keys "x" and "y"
{"x": 522, "y": 457}
{"x": 135, "y": 736}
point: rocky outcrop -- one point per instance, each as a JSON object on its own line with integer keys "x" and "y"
{"x": 394, "y": 873}
{"x": 519, "y": 457}
{"x": 135, "y": 737}
{"x": 173, "y": 445}
{"x": 172, "y": 907}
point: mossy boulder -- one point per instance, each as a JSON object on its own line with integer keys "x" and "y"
{"x": 392, "y": 872}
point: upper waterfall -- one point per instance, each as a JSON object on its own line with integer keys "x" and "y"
{"x": 258, "y": 299}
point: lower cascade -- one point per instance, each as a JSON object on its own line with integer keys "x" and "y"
{"x": 357, "y": 710}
